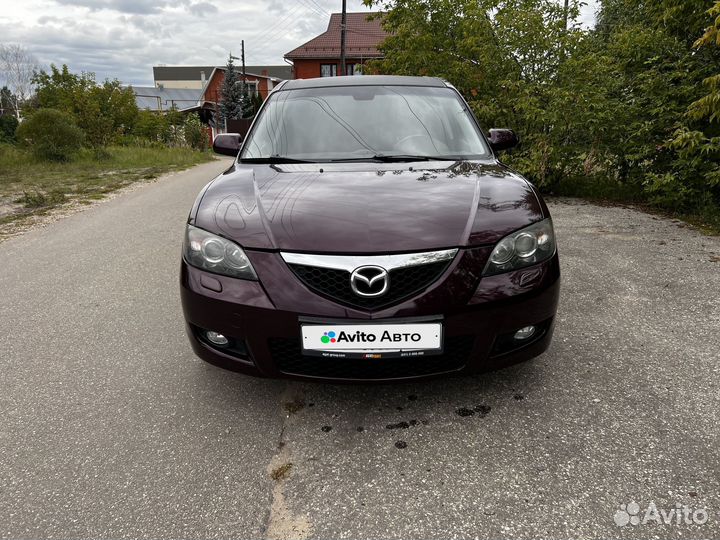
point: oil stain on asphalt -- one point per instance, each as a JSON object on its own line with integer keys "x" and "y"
{"x": 481, "y": 410}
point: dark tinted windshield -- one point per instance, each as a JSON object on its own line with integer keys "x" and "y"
{"x": 355, "y": 122}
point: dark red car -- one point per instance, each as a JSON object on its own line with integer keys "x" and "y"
{"x": 367, "y": 231}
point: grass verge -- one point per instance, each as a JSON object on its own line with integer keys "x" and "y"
{"x": 30, "y": 187}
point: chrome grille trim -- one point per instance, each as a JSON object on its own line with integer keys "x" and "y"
{"x": 351, "y": 262}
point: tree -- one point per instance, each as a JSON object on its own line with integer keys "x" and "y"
{"x": 505, "y": 57}
{"x": 232, "y": 100}
{"x": 8, "y": 126}
{"x": 17, "y": 67}
{"x": 151, "y": 126}
{"x": 254, "y": 103}
{"x": 656, "y": 75}
{"x": 698, "y": 140}
{"x": 103, "y": 111}
{"x": 681, "y": 19}
{"x": 7, "y": 101}
{"x": 708, "y": 106}
{"x": 617, "y": 111}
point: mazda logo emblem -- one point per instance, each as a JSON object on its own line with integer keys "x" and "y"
{"x": 369, "y": 281}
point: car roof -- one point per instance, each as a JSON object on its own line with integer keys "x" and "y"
{"x": 362, "y": 80}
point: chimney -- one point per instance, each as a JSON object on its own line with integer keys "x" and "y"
{"x": 202, "y": 77}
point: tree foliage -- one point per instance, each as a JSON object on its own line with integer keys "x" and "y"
{"x": 232, "y": 97}
{"x": 254, "y": 103}
{"x": 629, "y": 108}
{"x": 7, "y": 101}
{"x": 697, "y": 140}
{"x": 103, "y": 111}
{"x": 8, "y": 125}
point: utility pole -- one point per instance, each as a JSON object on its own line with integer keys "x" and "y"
{"x": 343, "y": 24}
{"x": 242, "y": 56}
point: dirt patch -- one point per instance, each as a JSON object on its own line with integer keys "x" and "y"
{"x": 294, "y": 406}
{"x": 8, "y": 207}
{"x": 21, "y": 219}
{"x": 281, "y": 472}
{"x": 283, "y": 524}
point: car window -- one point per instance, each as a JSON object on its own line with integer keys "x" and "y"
{"x": 320, "y": 124}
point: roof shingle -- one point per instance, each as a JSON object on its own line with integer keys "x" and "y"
{"x": 361, "y": 40}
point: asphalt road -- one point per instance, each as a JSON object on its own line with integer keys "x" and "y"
{"x": 110, "y": 427}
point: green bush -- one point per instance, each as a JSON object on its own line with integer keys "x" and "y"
{"x": 194, "y": 133}
{"x": 159, "y": 127}
{"x": 150, "y": 126}
{"x": 51, "y": 135}
{"x": 8, "y": 125}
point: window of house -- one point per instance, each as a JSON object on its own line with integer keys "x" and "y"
{"x": 328, "y": 70}
{"x": 251, "y": 87}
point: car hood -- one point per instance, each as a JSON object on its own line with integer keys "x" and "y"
{"x": 367, "y": 207}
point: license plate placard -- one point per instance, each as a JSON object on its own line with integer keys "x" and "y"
{"x": 377, "y": 340}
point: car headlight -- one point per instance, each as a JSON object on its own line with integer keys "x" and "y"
{"x": 525, "y": 247}
{"x": 216, "y": 254}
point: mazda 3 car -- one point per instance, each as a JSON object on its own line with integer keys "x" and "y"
{"x": 366, "y": 231}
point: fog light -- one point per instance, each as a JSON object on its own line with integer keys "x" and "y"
{"x": 525, "y": 332}
{"x": 216, "y": 339}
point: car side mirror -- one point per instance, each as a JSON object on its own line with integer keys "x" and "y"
{"x": 503, "y": 139}
{"x": 227, "y": 144}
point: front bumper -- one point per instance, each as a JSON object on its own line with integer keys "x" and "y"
{"x": 262, "y": 318}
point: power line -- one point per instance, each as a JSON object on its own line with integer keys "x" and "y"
{"x": 279, "y": 28}
{"x": 264, "y": 37}
{"x": 310, "y": 6}
{"x": 265, "y": 31}
{"x": 270, "y": 37}
{"x": 325, "y": 11}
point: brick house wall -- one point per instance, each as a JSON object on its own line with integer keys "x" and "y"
{"x": 308, "y": 68}
{"x": 213, "y": 92}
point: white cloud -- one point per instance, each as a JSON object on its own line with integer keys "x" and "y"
{"x": 202, "y": 9}
{"x": 124, "y": 38}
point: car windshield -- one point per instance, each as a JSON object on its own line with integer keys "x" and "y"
{"x": 364, "y": 123}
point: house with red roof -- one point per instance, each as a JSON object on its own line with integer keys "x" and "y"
{"x": 320, "y": 57}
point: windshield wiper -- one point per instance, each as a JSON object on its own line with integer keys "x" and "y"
{"x": 275, "y": 159}
{"x": 390, "y": 158}
{"x": 381, "y": 158}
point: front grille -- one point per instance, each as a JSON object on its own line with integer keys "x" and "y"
{"x": 287, "y": 355}
{"x": 335, "y": 284}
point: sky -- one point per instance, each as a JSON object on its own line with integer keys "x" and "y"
{"x": 123, "y": 39}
